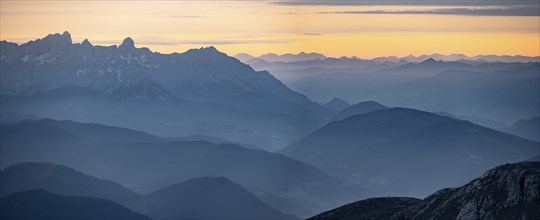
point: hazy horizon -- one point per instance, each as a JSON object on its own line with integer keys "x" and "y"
{"x": 119, "y": 42}
{"x": 343, "y": 28}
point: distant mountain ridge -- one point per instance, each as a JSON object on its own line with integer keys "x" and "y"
{"x": 208, "y": 198}
{"x": 529, "y": 129}
{"x": 288, "y": 57}
{"x": 337, "y": 104}
{"x": 424, "y": 144}
{"x": 358, "y": 109}
{"x": 168, "y": 161}
{"x": 199, "y": 198}
{"x": 461, "y": 57}
{"x": 272, "y": 57}
{"x": 460, "y": 88}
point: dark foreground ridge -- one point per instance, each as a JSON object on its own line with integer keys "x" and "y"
{"x": 510, "y": 191}
{"x": 41, "y": 204}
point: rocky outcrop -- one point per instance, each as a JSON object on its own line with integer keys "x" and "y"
{"x": 510, "y": 191}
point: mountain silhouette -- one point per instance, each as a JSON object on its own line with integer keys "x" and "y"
{"x": 199, "y": 198}
{"x": 208, "y": 198}
{"x": 271, "y": 57}
{"x": 459, "y": 88}
{"x": 97, "y": 132}
{"x": 432, "y": 151}
{"x": 40, "y": 204}
{"x": 529, "y": 129}
{"x": 358, "y": 109}
{"x": 170, "y": 160}
{"x": 337, "y": 104}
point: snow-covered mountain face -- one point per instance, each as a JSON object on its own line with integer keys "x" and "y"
{"x": 198, "y": 92}
{"x": 198, "y": 74}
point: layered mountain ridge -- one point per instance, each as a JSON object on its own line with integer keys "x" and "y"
{"x": 199, "y": 198}
{"x": 432, "y": 151}
{"x": 115, "y": 153}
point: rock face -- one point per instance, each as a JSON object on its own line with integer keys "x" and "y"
{"x": 510, "y": 191}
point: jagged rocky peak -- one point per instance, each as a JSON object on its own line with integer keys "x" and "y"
{"x": 86, "y": 43}
{"x": 128, "y": 43}
{"x": 59, "y": 39}
{"x": 6, "y": 48}
{"x": 66, "y": 35}
{"x": 211, "y": 50}
{"x": 210, "y": 54}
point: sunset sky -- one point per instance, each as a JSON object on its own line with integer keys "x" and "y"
{"x": 333, "y": 27}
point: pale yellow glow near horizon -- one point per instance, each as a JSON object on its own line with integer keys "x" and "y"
{"x": 257, "y": 27}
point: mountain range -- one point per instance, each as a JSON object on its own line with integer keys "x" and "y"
{"x": 456, "y": 84}
{"x": 302, "y": 56}
{"x": 198, "y": 92}
{"x": 436, "y": 86}
{"x": 288, "y": 57}
{"x": 161, "y": 162}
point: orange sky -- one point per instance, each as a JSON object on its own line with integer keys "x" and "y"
{"x": 258, "y": 27}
